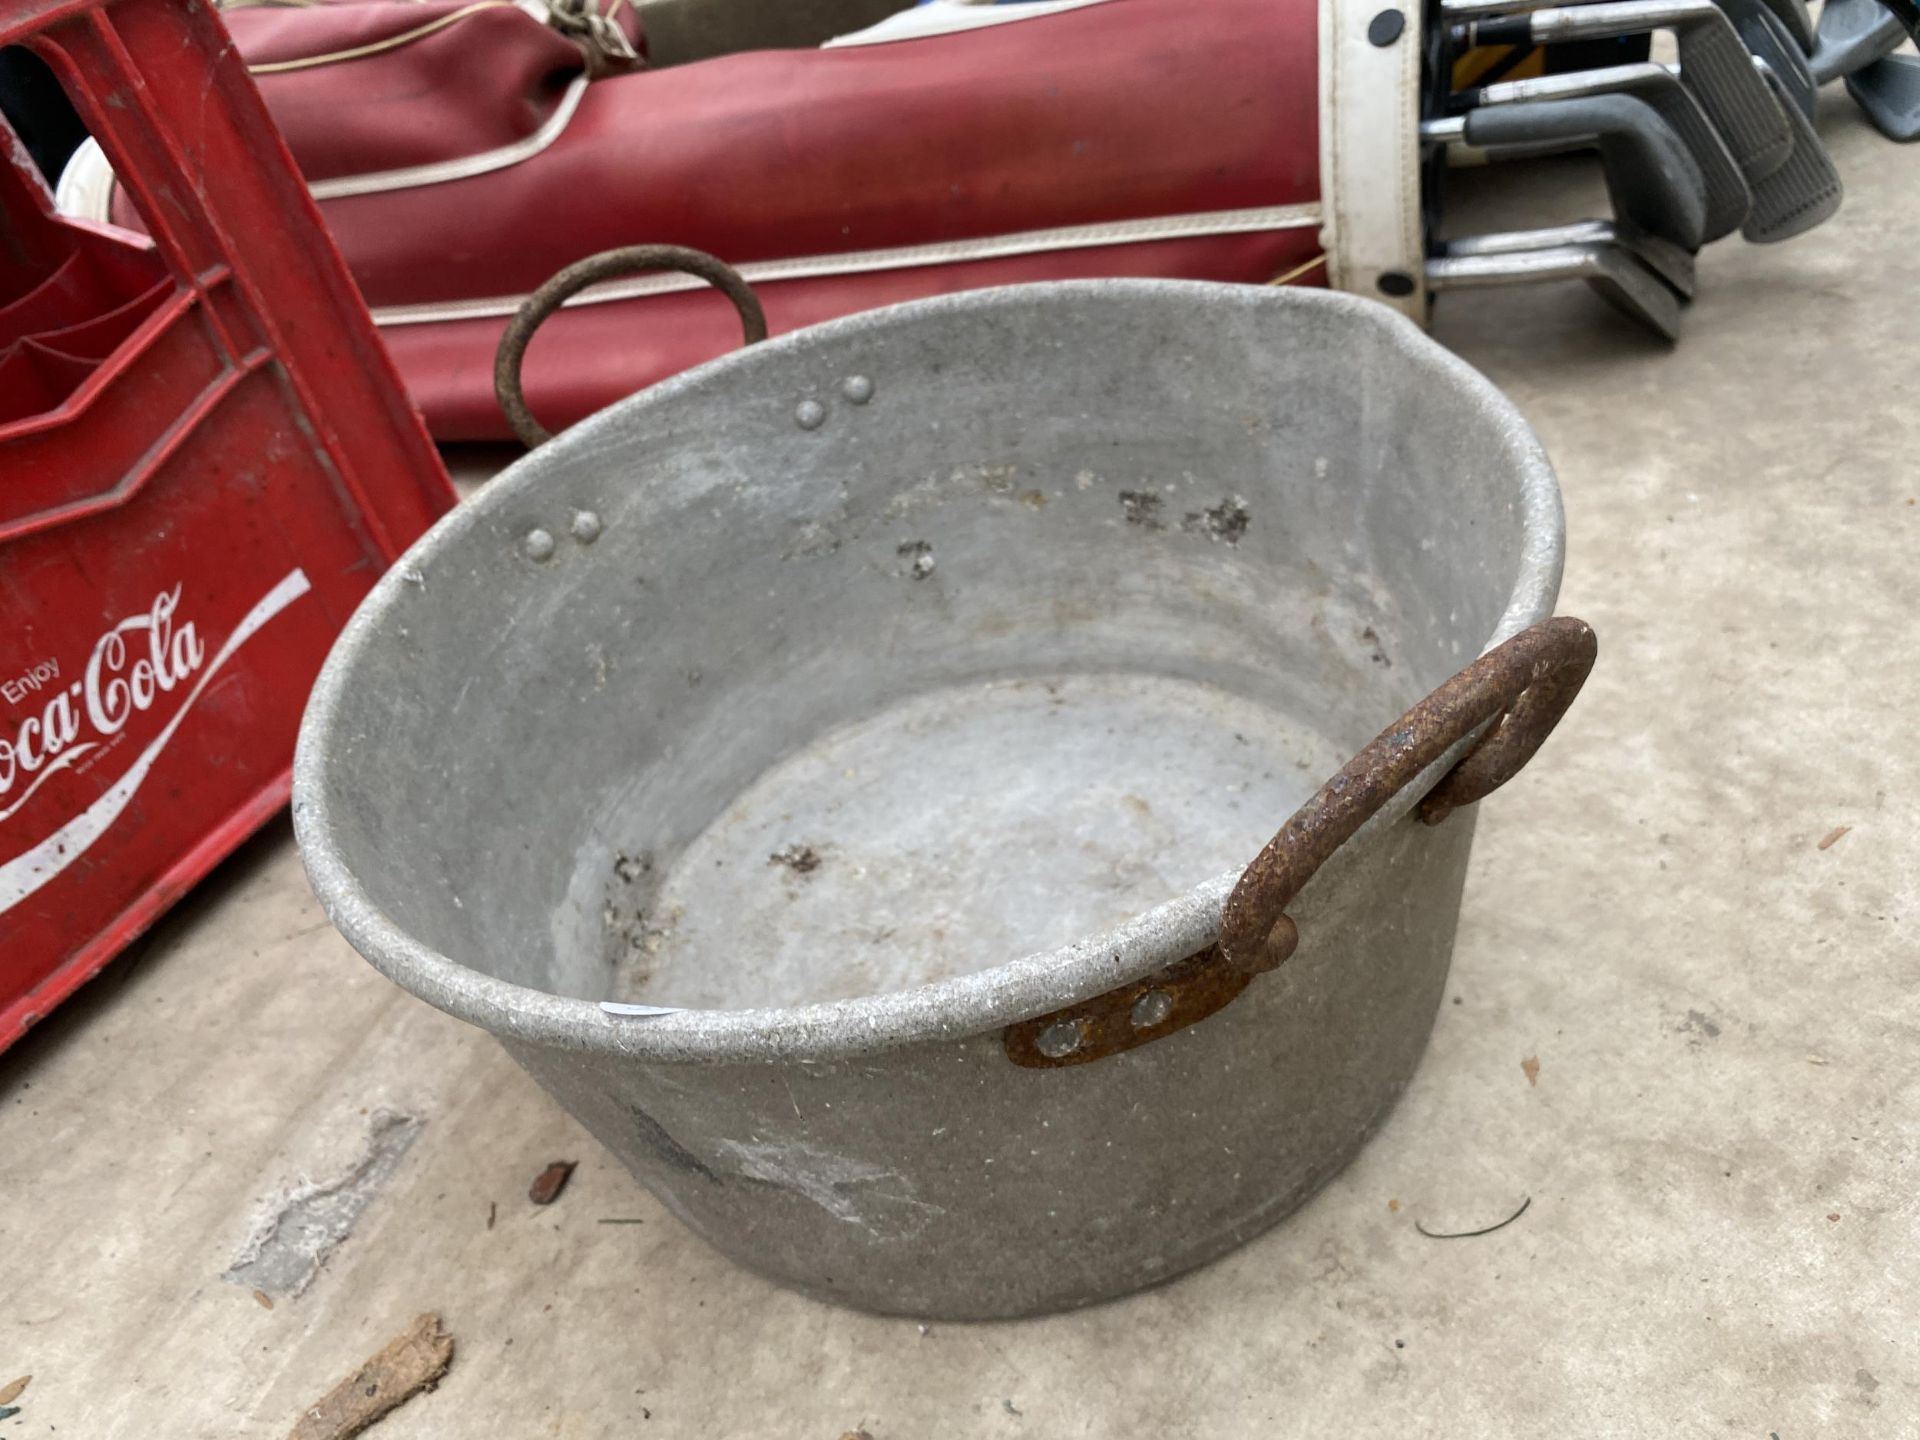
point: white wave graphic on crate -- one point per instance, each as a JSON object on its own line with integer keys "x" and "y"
{"x": 113, "y": 689}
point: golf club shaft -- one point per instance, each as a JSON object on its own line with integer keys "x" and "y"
{"x": 1607, "y": 80}
{"x": 1671, "y": 263}
{"x": 1527, "y": 267}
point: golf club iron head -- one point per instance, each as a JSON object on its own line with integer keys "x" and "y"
{"x": 1715, "y": 65}
{"x": 1611, "y": 271}
{"x": 1889, "y": 91}
{"x": 1729, "y": 197}
{"x": 1803, "y": 192}
{"x": 1667, "y": 260}
{"x": 1854, "y": 34}
{"x": 1796, "y": 20}
{"x": 1767, "y": 38}
{"x": 1651, "y": 177}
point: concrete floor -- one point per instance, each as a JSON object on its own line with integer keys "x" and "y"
{"x": 1719, "y": 1142}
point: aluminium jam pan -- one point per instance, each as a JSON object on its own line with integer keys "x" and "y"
{"x": 846, "y": 775}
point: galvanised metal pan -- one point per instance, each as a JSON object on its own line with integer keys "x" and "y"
{"x": 833, "y": 773}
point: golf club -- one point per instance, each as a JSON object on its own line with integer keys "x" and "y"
{"x": 1793, "y": 14}
{"x": 1797, "y": 20}
{"x": 1611, "y": 271}
{"x": 1889, "y": 91}
{"x": 1651, "y": 177}
{"x": 1667, "y": 260}
{"x": 1728, "y": 195}
{"x": 1714, "y": 64}
{"x": 1767, "y": 38}
{"x": 1854, "y": 34}
{"x": 1803, "y": 192}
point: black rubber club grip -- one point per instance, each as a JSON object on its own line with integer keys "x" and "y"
{"x": 1501, "y": 30}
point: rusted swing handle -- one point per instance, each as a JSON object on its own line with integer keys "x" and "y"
{"x": 1523, "y": 686}
{"x": 607, "y": 265}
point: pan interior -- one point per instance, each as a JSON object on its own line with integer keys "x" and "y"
{"x": 1071, "y": 595}
{"x": 958, "y": 828}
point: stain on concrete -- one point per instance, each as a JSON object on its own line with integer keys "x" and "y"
{"x": 1699, "y": 1027}
{"x": 919, "y": 557}
{"x": 304, "y": 1226}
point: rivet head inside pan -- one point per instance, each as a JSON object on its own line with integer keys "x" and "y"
{"x": 1059, "y": 1039}
{"x": 1150, "y": 1009}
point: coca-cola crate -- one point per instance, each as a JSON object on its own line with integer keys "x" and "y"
{"x": 205, "y": 461}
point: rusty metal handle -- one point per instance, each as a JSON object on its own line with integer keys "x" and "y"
{"x": 608, "y": 264}
{"x": 1523, "y": 686}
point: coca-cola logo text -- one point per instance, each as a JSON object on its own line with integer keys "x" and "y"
{"x": 132, "y": 666}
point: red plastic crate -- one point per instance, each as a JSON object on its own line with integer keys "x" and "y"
{"x": 205, "y": 461}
